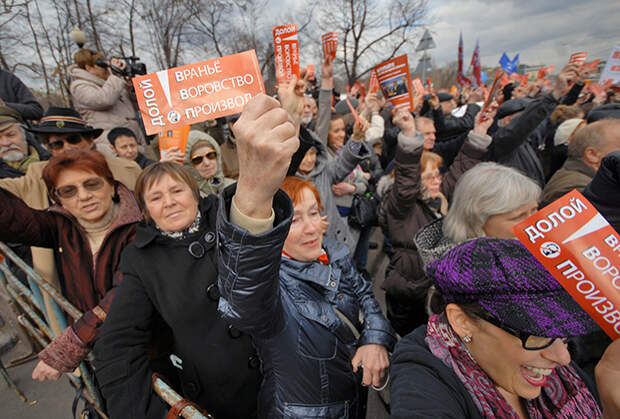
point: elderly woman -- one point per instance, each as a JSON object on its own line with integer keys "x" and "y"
{"x": 488, "y": 200}
{"x": 300, "y": 302}
{"x": 419, "y": 194}
{"x": 92, "y": 221}
{"x": 204, "y": 159}
{"x": 498, "y": 348}
{"x": 169, "y": 274}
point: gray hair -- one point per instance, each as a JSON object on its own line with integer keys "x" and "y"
{"x": 485, "y": 190}
{"x": 592, "y": 135}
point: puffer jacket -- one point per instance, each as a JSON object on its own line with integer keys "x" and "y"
{"x": 217, "y": 183}
{"x": 288, "y": 307}
{"x": 328, "y": 172}
{"x": 402, "y": 213}
{"x": 104, "y": 104}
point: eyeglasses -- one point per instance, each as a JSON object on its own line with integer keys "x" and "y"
{"x": 196, "y": 160}
{"x": 529, "y": 342}
{"x": 92, "y": 184}
{"x": 428, "y": 178}
{"x": 59, "y": 144}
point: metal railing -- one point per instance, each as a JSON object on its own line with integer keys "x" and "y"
{"x": 35, "y": 319}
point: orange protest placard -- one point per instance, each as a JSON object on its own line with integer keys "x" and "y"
{"x": 373, "y": 84}
{"x": 582, "y": 251}
{"x": 197, "y": 92}
{"x": 578, "y": 58}
{"x": 418, "y": 87}
{"x": 310, "y": 72}
{"x": 173, "y": 138}
{"x": 395, "y": 82}
{"x": 286, "y": 50}
{"x": 544, "y": 71}
{"x": 330, "y": 44}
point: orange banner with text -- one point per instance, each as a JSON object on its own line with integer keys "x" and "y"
{"x": 174, "y": 138}
{"x": 286, "y": 52}
{"x": 582, "y": 251}
{"x": 189, "y": 94}
{"x": 395, "y": 82}
{"x": 330, "y": 44}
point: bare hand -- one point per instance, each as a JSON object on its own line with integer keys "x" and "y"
{"x": 173, "y": 154}
{"x": 484, "y": 121}
{"x": 327, "y": 74}
{"x": 404, "y": 120}
{"x": 566, "y": 77}
{"x": 372, "y": 103}
{"x": 44, "y": 372}
{"x": 324, "y": 224}
{"x": 343, "y": 188}
{"x": 291, "y": 95}
{"x": 118, "y": 63}
{"x": 607, "y": 374}
{"x": 374, "y": 359}
{"x": 359, "y": 130}
{"x": 266, "y": 141}
{"x": 434, "y": 102}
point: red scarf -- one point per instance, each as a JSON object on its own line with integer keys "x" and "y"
{"x": 564, "y": 395}
{"x": 323, "y": 258}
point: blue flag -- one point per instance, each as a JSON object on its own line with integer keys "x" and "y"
{"x": 508, "y": 65}
{"x": 483, "y": 77}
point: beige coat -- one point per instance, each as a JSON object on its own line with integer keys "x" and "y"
{"x": 104, "y": 104}
{"x": 32, "y": 190}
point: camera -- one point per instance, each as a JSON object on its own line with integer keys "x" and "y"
{"x": 133, "y": 67}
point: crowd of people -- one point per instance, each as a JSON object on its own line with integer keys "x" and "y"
{"x": 237, "y": 267}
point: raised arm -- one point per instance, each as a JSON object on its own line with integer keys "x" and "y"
{"x": 95, "y": 97}
{"x": 325, "y": 99}
{"x": 249, "y": 248}
{"x": 22, "y": 224}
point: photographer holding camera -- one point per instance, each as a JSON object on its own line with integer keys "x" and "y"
{"x": 100, "y": 91}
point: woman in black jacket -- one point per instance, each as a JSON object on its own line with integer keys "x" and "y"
{"x": 170, "y": 284}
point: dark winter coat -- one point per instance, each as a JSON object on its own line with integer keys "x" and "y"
{"x": 88, "y": 284}
{"x": 163, "y": 282}
{"x": 16, "y": 95}
{"x": 436, "y": 391}
{"x": 288, "y": 307}
{"x": 402, "y": 213}
{"x": 143, "y": 161}
{"x": 604, "y": 190}
{"x": 510, "y": 146}
{"x": 449, "y": 126}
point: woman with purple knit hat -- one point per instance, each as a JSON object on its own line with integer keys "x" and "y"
{"x": 498, "y": 349}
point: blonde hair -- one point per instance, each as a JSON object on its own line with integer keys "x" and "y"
{"x": 86, "y": 57}
{"x": 430, "y": 157}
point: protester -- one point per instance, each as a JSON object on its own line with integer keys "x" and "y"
{"x": 498, "y": 348}
{"x": 517, "y": 118}
{"x": 60, "y": 129}
{"x": 418, "y": 196}
{"x": 447, "y": 125}
{"x": 171, "y": 265}
{"x": 125, "y": 145}
{"x": 203, "y": 158}
{"x": 480, "y": 208}
{"x": 585, "y": 152}
{"x": 102, "y": 97}
{"x": 92, "y": 220}
{"x": 17, "y": 149}
{"x": 299, "y": 296}
{"x": 15, "y": 95}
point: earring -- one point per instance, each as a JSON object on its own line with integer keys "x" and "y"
{"x": 467, "y": 339}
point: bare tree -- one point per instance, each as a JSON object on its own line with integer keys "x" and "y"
{"x": 370, "y": 31}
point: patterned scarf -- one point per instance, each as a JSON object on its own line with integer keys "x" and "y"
{"x": 185, "y": 233}
{"x": 564, "y": 394}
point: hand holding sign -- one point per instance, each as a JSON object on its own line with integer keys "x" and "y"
{"x": 567, "y": 76}
{"x": 266, "y": 141}
{"x": 291, "y": 94}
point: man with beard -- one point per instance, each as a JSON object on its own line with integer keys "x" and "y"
{"x": 16, "y": 150}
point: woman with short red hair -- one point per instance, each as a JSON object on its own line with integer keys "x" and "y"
{"x": 90, "y": 223}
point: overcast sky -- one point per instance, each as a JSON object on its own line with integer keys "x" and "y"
{"x": 542, "y": 31}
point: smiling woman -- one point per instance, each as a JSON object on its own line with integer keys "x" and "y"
{"x": 170, "y": 273}
{"x": 498, "y": 348}
{"x": 88, "y": 227}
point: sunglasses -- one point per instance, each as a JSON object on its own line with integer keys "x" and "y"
{"x": 528, "y": 342}
{"x": 92, "y": 184}
{"x": 196, "y": 160}
{"x": 59, "y": 144}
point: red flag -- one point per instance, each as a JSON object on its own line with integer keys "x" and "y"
{"x": 460, "y": 77}
{"x": 475, "y": 63}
